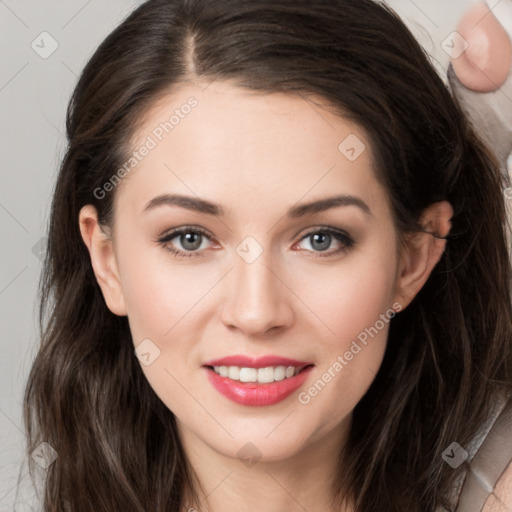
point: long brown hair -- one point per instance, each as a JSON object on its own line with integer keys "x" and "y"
{"x": 449, "y": 353}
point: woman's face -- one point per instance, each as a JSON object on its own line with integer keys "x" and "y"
{"x": 265, "y": 269}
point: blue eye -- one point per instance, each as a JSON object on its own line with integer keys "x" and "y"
{"x": 192, "y": 241}
{"x": 321, "y": 239}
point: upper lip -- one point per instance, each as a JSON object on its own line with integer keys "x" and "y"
{"x": 259, "y": 362}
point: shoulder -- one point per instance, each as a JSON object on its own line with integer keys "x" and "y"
{"x": 487, "y": 486}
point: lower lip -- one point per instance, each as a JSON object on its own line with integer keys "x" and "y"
{"x": 254, "y": 393}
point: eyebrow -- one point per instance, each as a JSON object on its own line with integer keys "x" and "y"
{"x": 209, "y": 208}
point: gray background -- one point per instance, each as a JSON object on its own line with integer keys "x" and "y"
{"x": 33, "y": 96}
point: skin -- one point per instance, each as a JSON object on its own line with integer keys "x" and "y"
{"x": 257, "y": 156}
{"x": 501, "y": 499}
{"x": 485, "y": 65}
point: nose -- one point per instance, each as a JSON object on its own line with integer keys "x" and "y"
{"x": 258, "y": 299}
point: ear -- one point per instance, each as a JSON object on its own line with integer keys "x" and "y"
{"x": 422, "y": 251}
{"x": 103, "y": 259}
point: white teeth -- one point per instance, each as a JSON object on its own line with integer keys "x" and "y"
{"x": 266, "y": 374}
{"x": 248, "y": 375}
{"x": 290, "y": 372}
{"x": 234, "y": 372}
{"x": 261, "y": 375}
{"x": 279, "y": 373}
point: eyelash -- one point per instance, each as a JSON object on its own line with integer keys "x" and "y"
{"x": 341, "y": 236}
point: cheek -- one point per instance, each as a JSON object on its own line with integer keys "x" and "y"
{"x": 356, "y": 306}
{"x": 350, "y": 298}
{"x": 159, "y": 293}
{"x": 162, "y": 299}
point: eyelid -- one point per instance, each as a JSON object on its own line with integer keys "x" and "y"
{"x": 172, "y": 233}
{"x": 323, "y": 229}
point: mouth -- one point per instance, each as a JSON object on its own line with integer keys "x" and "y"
{"x": 257, "y": 385}
{"x": 265, "y": 375}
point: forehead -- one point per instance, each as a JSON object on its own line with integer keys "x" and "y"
{"x": 213, "y": 139}
{"x": 213, "y": 114}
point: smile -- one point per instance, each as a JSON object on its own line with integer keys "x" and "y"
{"x": 260, "y": 375}
{"x": 261, "y": 386}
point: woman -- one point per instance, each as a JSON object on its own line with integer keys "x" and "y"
{"x": 277, "y": 274}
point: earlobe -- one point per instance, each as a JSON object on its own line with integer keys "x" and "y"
{"x": 422, "y": 251}
{"x": 103, "y": 259}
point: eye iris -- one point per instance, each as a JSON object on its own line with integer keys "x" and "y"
{"x": 188, "y": 238}
{"x": 323, "y": 239}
